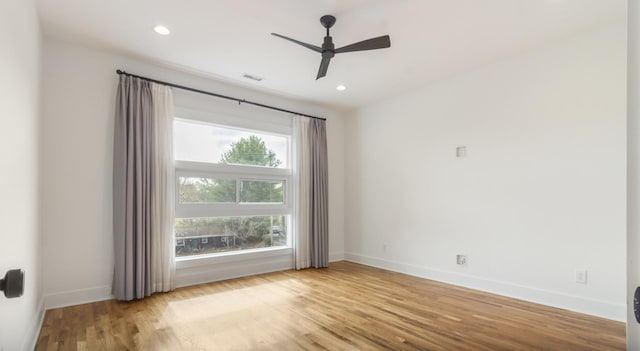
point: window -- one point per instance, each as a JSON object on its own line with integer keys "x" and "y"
{"x": 232, "y": 188}
{"x": 210, "y": 143}
{"x": 204, "y": 189}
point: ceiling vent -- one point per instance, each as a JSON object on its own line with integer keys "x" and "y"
{"x": 252, "y": 77}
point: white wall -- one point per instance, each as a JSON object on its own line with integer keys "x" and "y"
{"x": 78, "y": 102}
{"x": 540, "y": 194}
{"x": 633, "y": 171}
{"x": 19, "y": 112}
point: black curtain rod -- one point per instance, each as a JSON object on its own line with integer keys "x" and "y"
{"x": 243, "y": 101}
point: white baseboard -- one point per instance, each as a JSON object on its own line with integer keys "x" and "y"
{"x": 188, "y": 275}
{"x": 580, "y": 304}
{"x": 194, "y": 272}
{"x": 77, "y": 297}
{"x": 215, "y": 275}
{"x": 31, "y": 338}
{"x": 336, "y": 256}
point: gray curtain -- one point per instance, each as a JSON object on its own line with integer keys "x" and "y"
{"x": 139, "y": 170}
{"x": 302, "y": 195}
{"x": 319, "y": 217}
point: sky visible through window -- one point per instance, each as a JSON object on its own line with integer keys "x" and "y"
{"x": 202, "y": 142}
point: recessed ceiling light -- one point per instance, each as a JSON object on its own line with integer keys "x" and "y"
{"x": 162, "y": 30}
{"x": 341, "y": 87}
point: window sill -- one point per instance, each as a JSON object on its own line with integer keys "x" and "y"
{"x": 227, "y": 257}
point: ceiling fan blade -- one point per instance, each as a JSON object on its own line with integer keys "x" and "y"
{"x": 308, "y": 46}
{"x": 369, "y": 44}
{"x": 324, "y": 66}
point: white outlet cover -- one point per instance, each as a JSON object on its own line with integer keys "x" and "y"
{"x": 461, "y": 151}
{"x": 581, "y": 276}
{"x": 461, "y": 260}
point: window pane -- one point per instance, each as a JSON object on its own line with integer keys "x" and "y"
{"x": 261, "y": 191}
{"x": 197, "y": 236}
{"x": 197, "y": 189}
{"x": 202, "y": 142}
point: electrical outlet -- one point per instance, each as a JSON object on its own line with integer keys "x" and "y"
{"x": 384, "y": 249}
{"x": 581, "y": 276}
{"x": 461, "y": 260}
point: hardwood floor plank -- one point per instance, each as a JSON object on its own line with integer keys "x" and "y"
{"x": 345, "y": 307}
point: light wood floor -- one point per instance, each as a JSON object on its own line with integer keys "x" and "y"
{"x": 345, "y": 307}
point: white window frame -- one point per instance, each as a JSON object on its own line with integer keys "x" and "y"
{"x": 237, "y": 173}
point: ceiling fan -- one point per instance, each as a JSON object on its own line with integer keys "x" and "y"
{"x": 328, "y": 50}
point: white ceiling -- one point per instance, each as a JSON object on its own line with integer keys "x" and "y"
{"x": 430, "y": 39}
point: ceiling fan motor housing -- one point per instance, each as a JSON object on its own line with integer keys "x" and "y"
{"x": 328, "y": 48}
